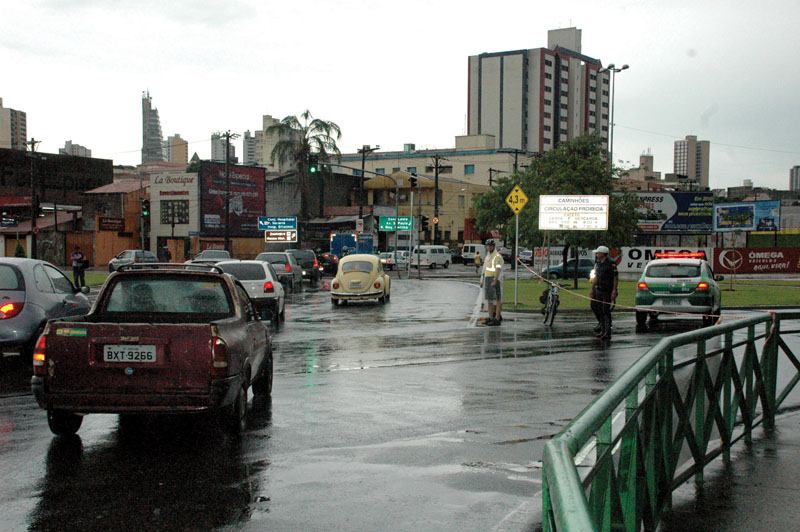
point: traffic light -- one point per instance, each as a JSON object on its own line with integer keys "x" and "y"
{"x": 423, "y": 222}
{"x": 313, "y": 164}
{"x": 145, "y": 207}
{"x": 412, "y": 181}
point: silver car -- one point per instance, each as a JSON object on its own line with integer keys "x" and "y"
{"x": 289, "y": 271}
{"x": 32, "y": 292}
{"x": 131, "y": 256}
{"x": 262, "y": 285}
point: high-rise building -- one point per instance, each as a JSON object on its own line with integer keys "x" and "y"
{"x": 264, "y": 144}
{"x": 531, "y": 100}
{"x": 692, "y": 160}
{"x": 75, "y": 149}
{"x": 176, "y": 149}
{"x": 13, "y": 128}
{"x": 152, "y": 139}
{"x": 249, "y": 149}
{"x": 794, "y": 178}
{"x": 218, "y": 149}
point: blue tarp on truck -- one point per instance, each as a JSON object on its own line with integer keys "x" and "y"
{"x": 355, "y": 243}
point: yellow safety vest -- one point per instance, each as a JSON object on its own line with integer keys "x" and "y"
{"x": 494, "y": 262}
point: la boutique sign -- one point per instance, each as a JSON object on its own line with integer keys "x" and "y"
{"x": 174, "y": 179}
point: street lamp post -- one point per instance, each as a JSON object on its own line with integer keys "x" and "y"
{"x": 611, "y": 68}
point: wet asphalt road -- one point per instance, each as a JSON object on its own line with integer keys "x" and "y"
{"x": 395, "y": 417}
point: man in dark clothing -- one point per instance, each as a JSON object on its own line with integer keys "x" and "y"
{"x": 604, "y": 290}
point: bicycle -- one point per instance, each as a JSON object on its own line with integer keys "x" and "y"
{"x": 551, "y": 306}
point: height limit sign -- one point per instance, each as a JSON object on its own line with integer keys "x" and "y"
{"x": 516, "y": 199}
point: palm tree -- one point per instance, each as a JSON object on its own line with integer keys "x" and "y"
{"x": 299, "y": 137}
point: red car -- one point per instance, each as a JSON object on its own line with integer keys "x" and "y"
{"x": 159, "y": 339}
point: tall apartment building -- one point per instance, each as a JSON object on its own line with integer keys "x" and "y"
{"x": 531, "y": 100}
{"x": 75, "y": 149}
{"x": 13, "y": 128}
{"x": 692, "y": 160}
{"x": 218, "y": 149}
{"x": 265, "y": 143}
{"x": 249, "y": 149}
{"x": 152, "y": 139}
{"x": 176, "y": 149}
{"x": 794, "y": 178}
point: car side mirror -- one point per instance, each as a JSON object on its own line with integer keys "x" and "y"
{"x": 82, "y": 290}
{"x": 719, "y": 278}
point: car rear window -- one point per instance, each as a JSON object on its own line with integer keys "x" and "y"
{"x": 245, "y": 272}
{"x": 279, "y": 258}
{"x": 215, "y": 254}
{"x": 11, "y": 278}
{"x": 357, "y": 266}
{"x": 303, "y": 254}
{"x": 182, "y": 298}
{"x": 673, "y": 271}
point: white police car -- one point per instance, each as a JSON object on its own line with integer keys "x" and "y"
{"x": 680, "y": 283}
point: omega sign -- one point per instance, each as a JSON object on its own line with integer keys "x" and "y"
{"x": 757, "y": 260}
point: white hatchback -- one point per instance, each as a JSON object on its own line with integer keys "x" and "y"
{"x": 262, "y": 285}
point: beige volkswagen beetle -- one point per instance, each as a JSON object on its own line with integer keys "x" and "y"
{"x": 360, "y": 277}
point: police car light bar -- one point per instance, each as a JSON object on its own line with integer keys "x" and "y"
{"x": 672, "y": 255}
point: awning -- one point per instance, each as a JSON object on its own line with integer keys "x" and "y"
{"x": 333, "y": 220}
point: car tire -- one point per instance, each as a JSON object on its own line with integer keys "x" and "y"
{"x": 276, "y": 319}
{"x": 282, "y": 314}
{"x": 641, "y": 317}
{"x": 335, "y": 302}
{"x": 62, "y": 422}
{"x": 382, "y": 299}
{"x": 446, "y": 265}
{"x": 263, "y": 386}
{"x": 233, "y": 417}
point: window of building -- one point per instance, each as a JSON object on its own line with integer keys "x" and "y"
{"x": 548, "y": 75}
{"x": 548, "y": 102}
{"x": 547, "y": 141}
{"x": 565, "y": 80}
{"x": 411, "y": 169}
{"x": 593, "y": 76}
{"x": 562, "y": 131}
{"x": 592, "y": 113}
{"x": 564, "y": 93}
{"x": 605, "y": 93}
{"x": 447, "y": 236}
{"x": 380, "y": 171}
{"x": 565, "y": 68}
{"x": 593, "y": 89}
{"x": 548, "y": 115}
{"x": 605, "y": 128}
{"x": 605, "y": 104}
{"x": 469, "y": 169}
{"x": 462, "y": 200}
{"x": 548, "y": 62}
{"x": 356, "y": 172}
{"x": 605, "y": 80}
{"x": 395, "y": 169}
{"x": 563, "y": 106}
{"x": 547, "y": 128}
{"x": 461, "y": 236}
{"x": 604, "y": 117}
{"x": 547, "y": 89}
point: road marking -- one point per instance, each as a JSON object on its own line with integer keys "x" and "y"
{"x": 476, "y": 310}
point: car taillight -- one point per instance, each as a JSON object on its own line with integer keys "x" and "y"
{"x": 642, "y": 286}
{"x": 377, "y": 285}
{"x": 9, "y": 310}
{"x": 336, "y": 285}
{"x": 316, "y": 264}
{"x": 269, "y": 287}
{"x": 335, "y": 258}
{"x": 219, "y": 357}
{"x": 288, "y": 268}
{"x": 389, "y": 260}
{"x": 702, "y": 286}
{"x": 39, "y": 357}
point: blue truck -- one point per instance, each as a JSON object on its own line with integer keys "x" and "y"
{"x": 354, "y": 242}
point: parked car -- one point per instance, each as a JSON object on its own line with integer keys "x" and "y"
{"x": 158, "y": 340}
{"x": 678, "y": 282}
{"x": 585, "y": 267}
{"x": 329, "y": 262}
{"x": 360, "y": 277}
{"x": 262, "y": 285}
{"x": 210, "y": 256}
{"x": 289, "y": 272}
{"x": 394, "y": 260}
{"x": 307, "y": 259}
{"x": 131, "y": 256}
{"x": 526, "y": 256}
{"x": 32, "y": 292}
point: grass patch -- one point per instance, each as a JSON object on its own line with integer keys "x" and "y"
{"x": 746, "y": 293}
{"x": 95, "y": 279}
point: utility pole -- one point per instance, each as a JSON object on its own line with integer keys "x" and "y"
{"x": 436, "y": 159}
{"x": 493, "y": 171}
{"x": 228, "y": 136}
{"x": 516, "y": 153}
{"x": 364, "y": 151}
{"x": 34, "y": 199}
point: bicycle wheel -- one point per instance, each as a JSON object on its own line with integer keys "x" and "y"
{"x": 554, "y": 310}
{"x": 547, "y": 309}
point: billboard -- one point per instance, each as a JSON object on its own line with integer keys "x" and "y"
{"x": 573, "y": 213}
{"x": 748, "y": 216}
{"x": 246, "y": 201}
{"x": 689, "y": 212}
{"x": 757, "y": 260}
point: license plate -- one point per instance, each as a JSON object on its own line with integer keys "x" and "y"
{"x": 356, "y": 284}
{"x": 129, "y": 353}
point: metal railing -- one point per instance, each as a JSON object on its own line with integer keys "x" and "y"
{"x": 681, "y": 405}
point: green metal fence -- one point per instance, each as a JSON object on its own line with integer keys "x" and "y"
{"x": 680, "y": 406}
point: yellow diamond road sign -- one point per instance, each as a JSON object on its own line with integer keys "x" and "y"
{"x": 516, "y": 199}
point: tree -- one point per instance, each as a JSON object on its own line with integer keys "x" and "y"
{"x": 299, "y": 137}
{"x": 578, "y": 167}
{"x": 19, "y": 251}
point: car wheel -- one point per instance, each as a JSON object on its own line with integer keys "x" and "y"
{"x": 263, "y": 386}
{"x": 234, "y": 416}
{"x": 63, "y": 423}
{"x": 446, "y": 265}
{"x": 276, "y": 319}
{"x": 335, "y": 302}
{"x": 433, "y": 265}
{"x": 382, "y": 299}
{"x": 641, "y": 317}
{"x": 282, "y": 315}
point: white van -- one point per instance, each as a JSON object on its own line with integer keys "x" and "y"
{"x": 431, "y": 256}
{"x": 469, "y": 250}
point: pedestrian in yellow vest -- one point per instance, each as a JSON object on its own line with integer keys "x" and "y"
{"x": 491, "y": 282}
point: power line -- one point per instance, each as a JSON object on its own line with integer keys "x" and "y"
{"x": 678, "y": 137}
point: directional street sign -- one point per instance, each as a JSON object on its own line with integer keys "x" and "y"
{"x": 280, "y": 236}
{"x": 277, "y": 223}
{"x": 516, "y": 199}
{"x": 386, "y": 223}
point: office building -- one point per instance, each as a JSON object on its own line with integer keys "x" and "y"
{"x": 75, "y": 149}
{"x": 794, "y": 178}
{"x": 530, "y": 100}
{"x": 264, "y": 144}
{"x": 13, "y": 128}
{"x": 176, "y": 150}
{"x": 691, "y": 161}
{"x": 249, "y": 149}
{"x": 218, "y": 147}
{"x": 152, "y": 139}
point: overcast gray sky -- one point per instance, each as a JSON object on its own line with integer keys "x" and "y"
{"x": 390, "y": 73}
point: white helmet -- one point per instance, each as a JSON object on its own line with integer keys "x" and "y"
{"x": 601, "y": 249}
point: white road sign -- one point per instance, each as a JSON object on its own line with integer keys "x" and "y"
{"x": 573, "y": 213}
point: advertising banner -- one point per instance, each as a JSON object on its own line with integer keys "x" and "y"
{"x": 634, "y": 259}
{"x": 246, "y": 201}
{"x": 676, "y": 211}
{"x": 757, "y": 260}
{"x": 747, "y": 216}
{"x": 573, "y": 213}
